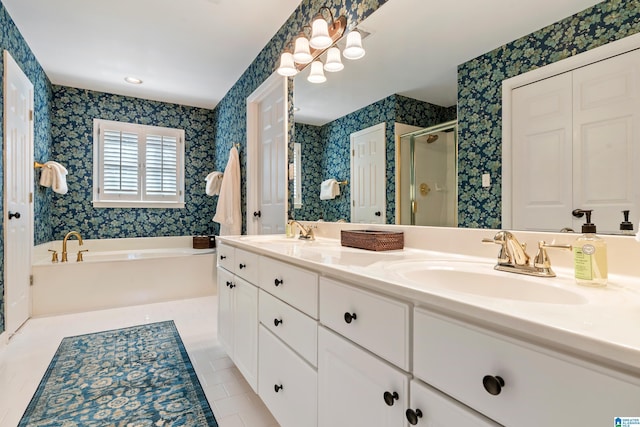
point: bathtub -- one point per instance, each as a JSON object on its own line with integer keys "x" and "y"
{"x": 118, "y": 273}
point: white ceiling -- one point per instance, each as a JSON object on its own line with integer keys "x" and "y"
{"x": 415, "y": 47}
{"x": 191, "y": 52}
{"x": 188, "y": 52}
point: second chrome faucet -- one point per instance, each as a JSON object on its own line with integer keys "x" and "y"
{"x": 513, "y": 256}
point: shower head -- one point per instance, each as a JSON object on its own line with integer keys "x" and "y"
{"x": 432, "y": 138}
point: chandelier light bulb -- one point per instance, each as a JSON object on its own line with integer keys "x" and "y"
{"x": 320, "y": 34}
{"x": 334, "y": 63}
{"x": 287, "y": 66}
{"x": 301, "y": 53}
{"x": 354, "y": 49}
{"x": 317, "y": 74}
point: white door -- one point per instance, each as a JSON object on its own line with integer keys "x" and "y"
{"x": 368, "y": 175}
{"x": 542, "y": 155}
{"x": 18, "y": 187}
{"x": 267, "y": 158}
{"x": 606, "y": 158}
{"x": 353, "y": 386}
{"x": 245, "y": 324}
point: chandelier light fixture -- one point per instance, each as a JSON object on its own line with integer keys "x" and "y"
{"x": 324, "y": 36}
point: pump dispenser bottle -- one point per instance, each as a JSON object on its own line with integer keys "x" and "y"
{"x": 590, "y": 256}
{"x": 626, "y": 227}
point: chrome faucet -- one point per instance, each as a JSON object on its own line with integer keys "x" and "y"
{"x": 513, "y": 256}
{"x": 64, "y": 243}
{"x": 306, "y": 233}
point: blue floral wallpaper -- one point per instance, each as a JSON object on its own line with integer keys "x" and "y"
{"x": 230, "y": 114}
{"x": 329, "y": 144}
{"x": 480, "y": 96}
{"x": 72, "y": 131}
{"x": 12, "y": 41}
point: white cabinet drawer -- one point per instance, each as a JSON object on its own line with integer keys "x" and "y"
{"x": 431, "y": 408}
{"x": 357, "y": 389}
{"x": 225, "y": 256}
{"x": 537, "y": 388}
{"x": 246, "y": 265}
{"x": 294, "y": 285}
{"x": 377, "y": 323}
{"x": 287, "y": 385}
{"x": 293, "y": 327}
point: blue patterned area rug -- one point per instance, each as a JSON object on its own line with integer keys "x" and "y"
{"x": 137, "y": 376}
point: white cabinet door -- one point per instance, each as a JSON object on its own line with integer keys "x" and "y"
{"x": 430, "y": 408}
{"x": 354, "y": 386}
{"x": 288, "y": 385}
{"x": 225, "y": 310}
{"x": 245, "y": 324}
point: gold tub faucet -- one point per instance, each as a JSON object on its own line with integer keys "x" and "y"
{"x": 64, "y": 243}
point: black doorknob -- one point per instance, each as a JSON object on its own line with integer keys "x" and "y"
{"x": 15, "y": 215}
{"x": 257, "y": 214}
{"x": 390, "y": 398}
{"x": 378, "y": 213}
{"x": 412, "y": 416}
{"x": 229, "y": 284}
{"x": 222, "y": 257}
{"x": 242, "y": 266}
{"x": 493, "y": 384}
{"x": 277, "y": 322}
{"x": 278, "y": 387}
{"x": 278, "y": 282}
{"x": 349, "y": 317}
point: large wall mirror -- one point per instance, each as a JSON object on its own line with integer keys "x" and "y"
{"x": 413, "y": 52}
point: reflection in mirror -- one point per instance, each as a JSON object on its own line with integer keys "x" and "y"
{"x": 427, "y": 184}
{"x": 416, "y": 51}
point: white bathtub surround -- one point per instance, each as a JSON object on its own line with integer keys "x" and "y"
{"x": 120, "y": 272}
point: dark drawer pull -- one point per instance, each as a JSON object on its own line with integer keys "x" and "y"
{"x": 278, "y": 282}
{"x": 229, "y": 284}
{"x": 278, "y": 387}
{"x": 493, "y": 384}
{"x": 349, "y": 317}
{"x": 222, "y": 257}
{"x": 412, "y": 416}
{"x": 242, "y": 266}
{"x": 390, "y": 398}
{"x": 277, "y": 322}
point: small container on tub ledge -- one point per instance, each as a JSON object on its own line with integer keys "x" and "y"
{"x": 372, "y": 240}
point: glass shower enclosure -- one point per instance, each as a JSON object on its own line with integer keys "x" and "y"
{"x": 428, "y": 187}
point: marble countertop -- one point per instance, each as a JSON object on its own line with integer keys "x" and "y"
{"x": 600, "y": 325}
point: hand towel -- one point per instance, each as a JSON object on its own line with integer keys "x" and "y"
{"x": 54, "y": 175}
{"x": 214, "y": 182}
{"x": 329, "y": 189}
{"x": 228, "y": 213}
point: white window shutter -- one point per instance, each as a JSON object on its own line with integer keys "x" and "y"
{"x": 162, "y": 166}
{"x": 120, "y": 163}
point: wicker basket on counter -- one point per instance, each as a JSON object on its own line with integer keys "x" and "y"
{"x": 372, "y": 240}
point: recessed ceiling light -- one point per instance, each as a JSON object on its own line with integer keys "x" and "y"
{"x": 133, "y": 80}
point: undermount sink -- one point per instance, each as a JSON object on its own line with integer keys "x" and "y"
{"x": 471, "y": 278}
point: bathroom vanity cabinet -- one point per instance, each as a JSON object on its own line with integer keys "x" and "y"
{"x": 238, "y": 310}
{"x": 334, "y": 352}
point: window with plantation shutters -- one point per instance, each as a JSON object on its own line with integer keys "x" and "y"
{"x": 137, "y": 165}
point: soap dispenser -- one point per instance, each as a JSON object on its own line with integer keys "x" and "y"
{"x": 626, "y": 227}
{"x": 590, "y": 256}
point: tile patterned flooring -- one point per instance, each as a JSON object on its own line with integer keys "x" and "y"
{"x": 25, "y": 359}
